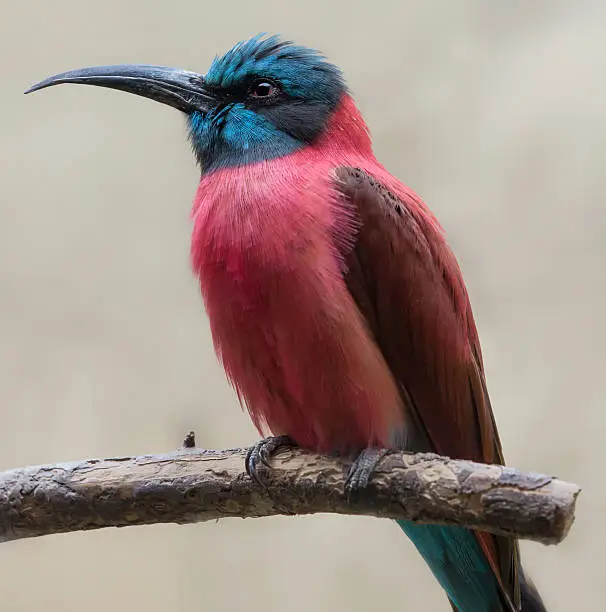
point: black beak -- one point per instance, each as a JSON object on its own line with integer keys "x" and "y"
{"x": 180, "y": 89}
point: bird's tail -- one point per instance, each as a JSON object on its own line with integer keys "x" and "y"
{"x": 531, "y": 600}
{"x": 457, "y": 561}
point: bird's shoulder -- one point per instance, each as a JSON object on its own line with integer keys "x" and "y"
{"x": 389, "y": 217}
{"x": 362, "y": 188}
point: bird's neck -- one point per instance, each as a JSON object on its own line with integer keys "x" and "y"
{"x": 258, "y": 141}
{"x": 345, "y": 141}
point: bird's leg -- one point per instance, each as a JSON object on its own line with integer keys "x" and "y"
{"x": 258, "y": 456}
{"x": 362, "y": 469}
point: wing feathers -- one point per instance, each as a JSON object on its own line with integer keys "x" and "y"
{"x": 408, "y": 286}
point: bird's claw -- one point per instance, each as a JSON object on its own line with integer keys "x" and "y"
{"x": 259, "y": 455}
{"x": 362, "y": 469}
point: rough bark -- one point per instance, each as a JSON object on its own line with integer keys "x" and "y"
{"x": 193, "y": 485}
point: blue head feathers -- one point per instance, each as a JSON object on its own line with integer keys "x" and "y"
{"x": 302, "y": 72}
{"x": 270, "y": 98}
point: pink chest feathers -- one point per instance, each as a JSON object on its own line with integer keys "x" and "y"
{"x": 266, "y": 245}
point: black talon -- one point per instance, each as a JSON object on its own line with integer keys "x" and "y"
{"x": 261, "y": 452}
{"x": 362, "y": 469}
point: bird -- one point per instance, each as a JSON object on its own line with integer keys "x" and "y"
{"x": 336, "y": 306}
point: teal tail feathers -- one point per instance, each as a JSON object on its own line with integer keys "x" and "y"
{"x": 458, "y": 563}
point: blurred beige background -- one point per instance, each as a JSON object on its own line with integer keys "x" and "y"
{"x": 494, "y": 112}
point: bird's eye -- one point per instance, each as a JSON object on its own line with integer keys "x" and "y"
{"x": 262, "y": 88}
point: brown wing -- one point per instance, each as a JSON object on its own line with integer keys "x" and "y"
{"x": 408, "y": 285}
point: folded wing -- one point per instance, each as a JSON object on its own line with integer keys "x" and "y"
{"x": 408, "y": 285}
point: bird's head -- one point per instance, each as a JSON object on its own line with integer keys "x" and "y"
{"x": 261, "y": 100}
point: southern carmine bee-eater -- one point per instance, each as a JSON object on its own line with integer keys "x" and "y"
{"x": 336, "y": 306}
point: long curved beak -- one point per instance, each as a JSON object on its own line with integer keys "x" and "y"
{"x": 180, "y": 89}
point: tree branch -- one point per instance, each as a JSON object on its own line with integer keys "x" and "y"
{"x": 193, "y": 485}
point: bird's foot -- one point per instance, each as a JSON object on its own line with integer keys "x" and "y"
{"x": 362, "y": 469}
{"x": 259, "y": 455}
